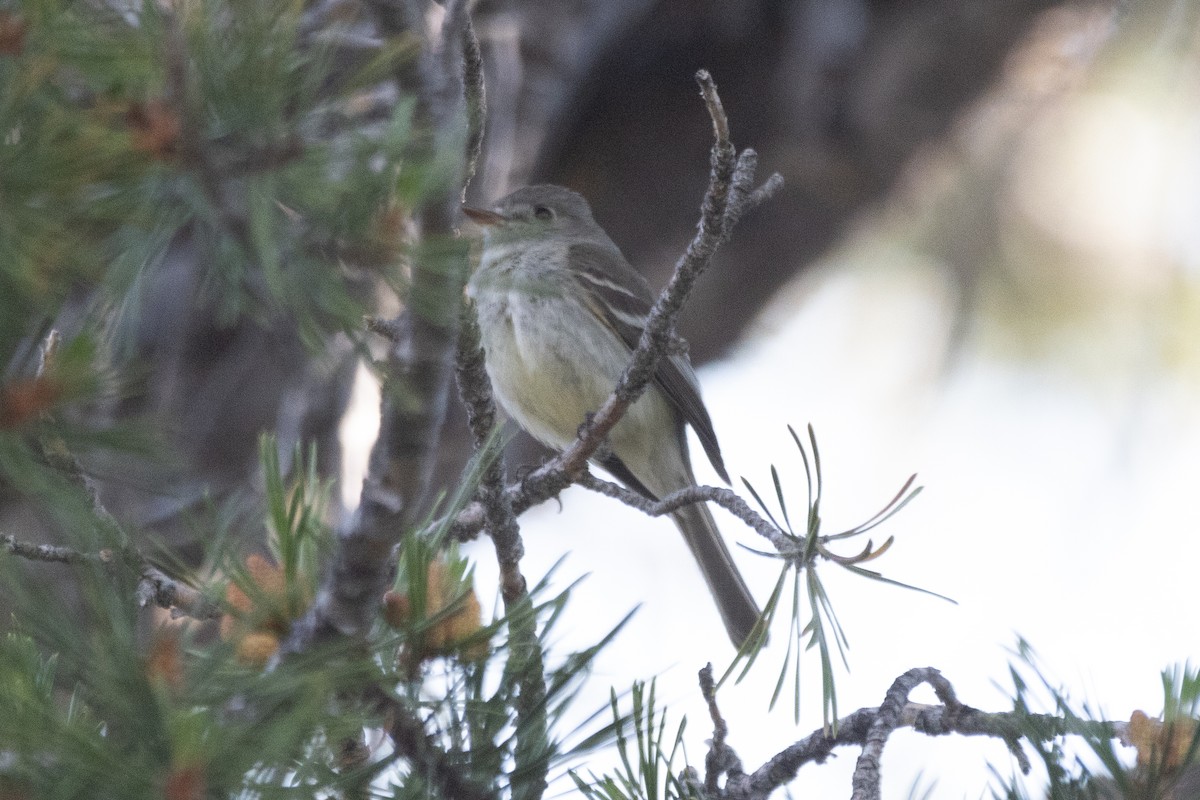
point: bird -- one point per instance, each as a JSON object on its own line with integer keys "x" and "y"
{"x": 560, "y": 311}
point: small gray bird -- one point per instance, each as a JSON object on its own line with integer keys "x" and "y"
{"x": 560, "y": 310}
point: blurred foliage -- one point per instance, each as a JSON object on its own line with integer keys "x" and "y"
{"x": 162, "y": 159}
{"x": 1168, "y": 750}
{"x": 649, "y": 756}
{"x": 125, "y": 129}
{"x": 92, "y": 710}
{"x": 1058, "y": 209}
{"x": 220, "y": 121}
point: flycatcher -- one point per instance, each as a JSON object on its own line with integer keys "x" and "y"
{"x": 560, "y": 310}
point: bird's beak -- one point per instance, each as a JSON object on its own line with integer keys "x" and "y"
{"x": 482, "y": 216}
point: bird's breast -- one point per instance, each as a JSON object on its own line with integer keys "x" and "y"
{"x": 550, "y": 361}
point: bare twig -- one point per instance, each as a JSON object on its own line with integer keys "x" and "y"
{"x": 657, "y": 335}
{"x": 525, "y": 653}
{"x": 154, "y": 586}
{"x": 497, "y": 506}
{"x": 50, "y": 552}
{"x": 865, "y": 781}
{"x": 716, "y": 110}
{"x": 387, "y": 328}
{"x": 726, "y": 498}
{"x": 476, "y": 99}
{"x": 476, "y": 392}
{"x": 742, "y": 197}
{"x": 181, "y": 600}
{"x": 721, "y": 759}
{"x": 890, "y": 715}
{"x": 869, "y": 728}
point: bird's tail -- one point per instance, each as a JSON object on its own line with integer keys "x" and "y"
{"x": 738, "y": 610}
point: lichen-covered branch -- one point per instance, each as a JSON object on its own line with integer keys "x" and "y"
{"x": 525, "y": 653}
{"x": 869, "y": 728}
{"x": 476, "y": 392}
{"x": 49, "y": 552}
{"x": 725, "y": 498}
{"x": 155, "y": 587}
{"x": 720, "y": 759}
{"x": 476, "y": 100}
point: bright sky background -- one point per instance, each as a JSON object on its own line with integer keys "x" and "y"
{"x": 1057, "y": 432}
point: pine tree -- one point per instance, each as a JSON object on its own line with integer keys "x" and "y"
{"x": 210, "y": 212}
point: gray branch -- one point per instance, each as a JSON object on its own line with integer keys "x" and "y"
{"x": 869, "y": 728}
{"x": 476, "y": 100}
{"x": 658, "y": 334}
{"x": 725, "y": 498}
{"x": 476, "y": 392}
{"x": 49, "y": 552}
{"x": 525, "y": 654}
{"x": 721, "y": 759}
{"x": 155, "y": 587}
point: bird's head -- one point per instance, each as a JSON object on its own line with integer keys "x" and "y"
{"x": 536, "y": 213}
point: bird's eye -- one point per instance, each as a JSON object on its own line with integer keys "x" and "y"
{"x": 543, "y": 213}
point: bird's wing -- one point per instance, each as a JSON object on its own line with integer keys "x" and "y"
{"x": 619, "y": 296}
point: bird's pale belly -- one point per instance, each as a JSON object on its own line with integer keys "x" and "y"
{"x": 548, "y": 374}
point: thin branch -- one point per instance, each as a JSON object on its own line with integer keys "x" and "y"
{"x": 724, "y": 497}
{"x": 525, "y": 656}
{"x": 154, "y": 586}
{"x": 865, "y": 781}
{"x": 497, "y": 505}
{"x": 59, "y": 456}
{"x": 716, "y": 110}
{"x": 721, "y": 759}
{"x": 476, "y": 392}
{"x": 657, "y": 336}
{"x": 476, "y": 100}
{"x": 869, "y": 728}
{"x": 181, "y": 600}
{"x": 744, "y": 199}
{"x": 49, "y": 552}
